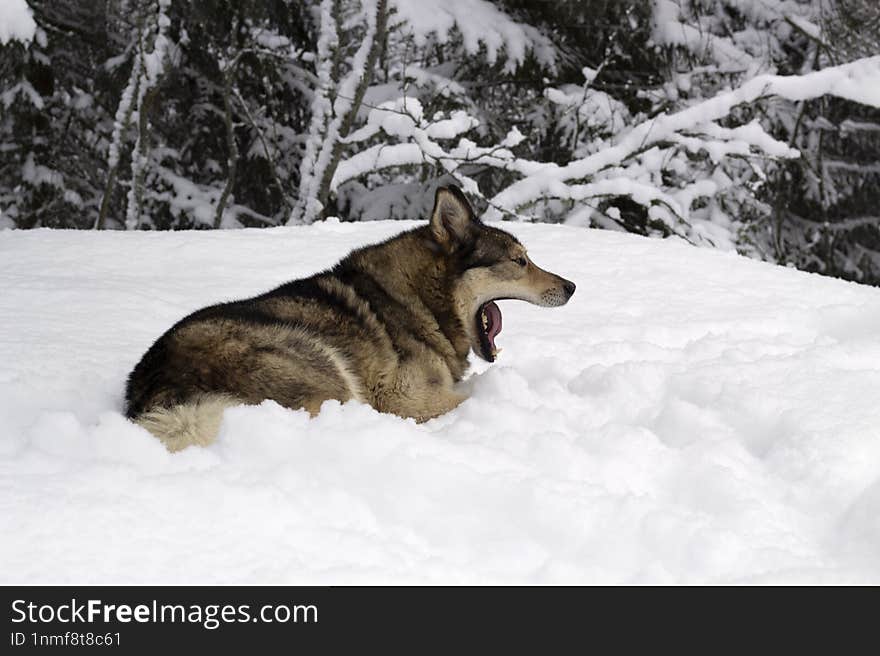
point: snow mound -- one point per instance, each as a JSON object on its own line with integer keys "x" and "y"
{"x": 690, "y": 416}
{"x": 16, "y": 22}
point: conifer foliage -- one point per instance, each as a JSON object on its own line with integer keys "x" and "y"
{"x": 734, "y": 124}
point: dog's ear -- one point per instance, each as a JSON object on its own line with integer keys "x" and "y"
{"x": 452, "y": 220}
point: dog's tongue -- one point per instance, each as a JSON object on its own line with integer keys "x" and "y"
{"x": 493, "y": 314}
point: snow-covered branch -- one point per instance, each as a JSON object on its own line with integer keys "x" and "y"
{"x": 332, "y": 121}
{"x": 150, "y": 68}
{"x": 858, "y": 81}
{"x": 403, "y": 119}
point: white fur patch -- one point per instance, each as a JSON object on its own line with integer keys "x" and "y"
{"x": 341, "y": 364}
{"x": 194, "y": 423}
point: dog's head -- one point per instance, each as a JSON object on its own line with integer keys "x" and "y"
{"x": 490, "y": 265}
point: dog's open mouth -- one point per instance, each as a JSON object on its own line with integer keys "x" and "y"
{"x": 488, "y": 326}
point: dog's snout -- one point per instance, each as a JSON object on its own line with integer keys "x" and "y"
{"x": 569, "y": 288}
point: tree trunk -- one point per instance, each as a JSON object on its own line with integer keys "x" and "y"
{"x": 318, "y": 169}
{"x": 129, "y": 95}
{"x": 232, "y": 146}
{"x": 363, "y": 85}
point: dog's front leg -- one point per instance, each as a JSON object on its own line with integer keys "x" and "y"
{"x": 421, "y": 404}
{"x": 442, "y": 402}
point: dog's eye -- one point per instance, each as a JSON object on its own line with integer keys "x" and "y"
{"x": 520, "y": 260}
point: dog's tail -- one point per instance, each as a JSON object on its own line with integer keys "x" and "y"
{"x": 195, "y": 422}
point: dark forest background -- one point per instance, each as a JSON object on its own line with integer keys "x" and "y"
{"x": 161, "y": 114}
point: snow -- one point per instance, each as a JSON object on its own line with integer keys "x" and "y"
{"x": 403, "y": 118}
{"x": 310, "y": 171}
{"x": 480, "y": 23}
{"x": 805, "y": 26}
{"x": 16, "y": 22}
{"x": 325, "y": 132}
{"x": 38, "y": 174}
{"x": 668, "y": 30}
{"x": 24, "y": 89}
{"x": 593, "y": 108}
{"x": 690, "y": 416}
{"x": 858, "y": 81}
{"x": 397, "y": 118}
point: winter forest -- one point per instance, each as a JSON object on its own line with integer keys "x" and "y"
{"x": 701, "y": 411}
{"x": 747, "y": 125}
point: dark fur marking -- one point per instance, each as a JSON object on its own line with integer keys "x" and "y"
{"x": 380, "y": 303}
{"x": 309, "y": 289}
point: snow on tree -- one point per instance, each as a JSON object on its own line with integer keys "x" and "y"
{"x": 744, "y": 125}
{"x": 16, "y": 22}
{"x": 145, "y": 71}
{"x": 693, "y": 130}
{"x": 685, "y": 168}
{"x": 478, "y": 28}
{"x": 338, "y": 98}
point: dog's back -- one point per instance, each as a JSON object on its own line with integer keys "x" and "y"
{"x": 341, "y": 334}
{"x": 294, "y": 345}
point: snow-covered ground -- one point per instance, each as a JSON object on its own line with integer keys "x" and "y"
{"x": 690, "y": 416}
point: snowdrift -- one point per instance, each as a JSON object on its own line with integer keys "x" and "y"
{"x": 690, "y": 416}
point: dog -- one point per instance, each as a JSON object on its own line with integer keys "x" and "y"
{"x": 390, "y": 325}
